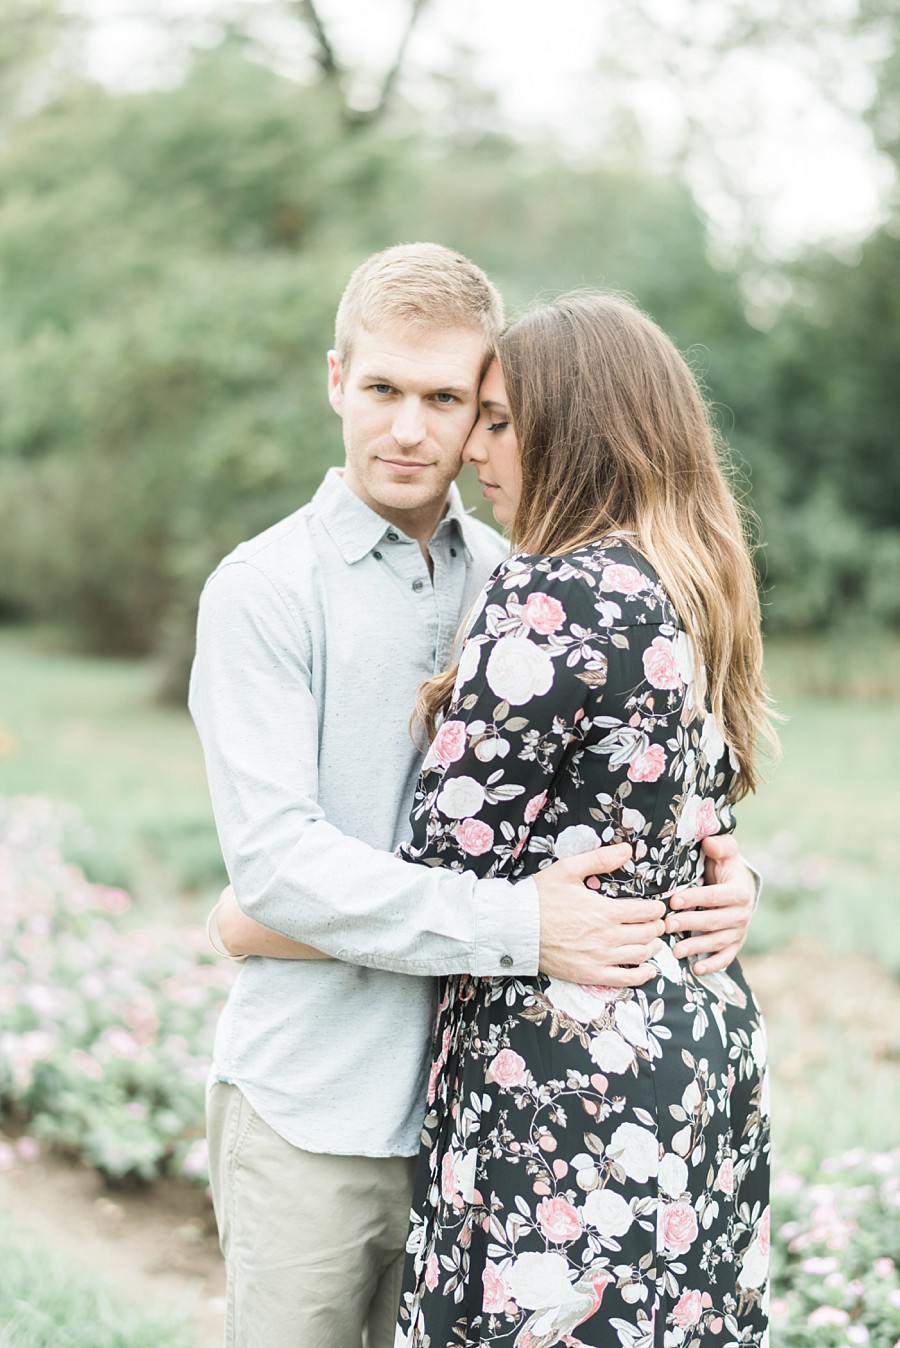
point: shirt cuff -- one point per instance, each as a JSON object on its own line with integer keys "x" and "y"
{"x": 507, "y": 929}
{"x": 758, "y": 880}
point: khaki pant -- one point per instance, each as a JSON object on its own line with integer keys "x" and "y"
{"x": 313, "y": 1244}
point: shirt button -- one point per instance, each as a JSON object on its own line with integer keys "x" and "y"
{"x": 418, "y": 585}
{"x": 377, "y": 556}
{"x": 453, "y": 552}
{"x": 506, "y": 961}
{"x": 392, "y": 537}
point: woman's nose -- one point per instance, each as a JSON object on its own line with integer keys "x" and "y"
{"x": 473, "y": 451}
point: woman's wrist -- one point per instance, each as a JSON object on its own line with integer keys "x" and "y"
{"x": 215, "y": 936}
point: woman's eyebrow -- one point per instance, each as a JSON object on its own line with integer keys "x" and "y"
{"x": 492, "y": 402}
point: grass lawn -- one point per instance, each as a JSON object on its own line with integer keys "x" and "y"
{"x": 87, "y": 731}
{"x": 837, "y": 792}
{"x": 46, "y": 1304}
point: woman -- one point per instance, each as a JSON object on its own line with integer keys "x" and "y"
{"x": 595, "y": 1160}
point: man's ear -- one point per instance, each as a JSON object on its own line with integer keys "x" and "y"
{"x": 335, "y": 391}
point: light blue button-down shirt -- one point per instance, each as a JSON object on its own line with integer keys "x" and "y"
{"x": 312, "y": 641}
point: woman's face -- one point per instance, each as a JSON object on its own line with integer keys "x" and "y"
{"x": 492, "y": 449}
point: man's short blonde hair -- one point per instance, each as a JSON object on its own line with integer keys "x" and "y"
{"x": 424, "y": 285}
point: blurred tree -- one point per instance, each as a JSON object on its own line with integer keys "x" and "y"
{"x": 170, "y": 264}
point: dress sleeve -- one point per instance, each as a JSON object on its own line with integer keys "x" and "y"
{"x": 532, "y": 660}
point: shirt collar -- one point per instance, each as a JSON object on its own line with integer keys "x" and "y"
{"x": 356, "y": 530}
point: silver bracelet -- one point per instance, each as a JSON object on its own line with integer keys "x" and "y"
{"x": 215, "y": 939}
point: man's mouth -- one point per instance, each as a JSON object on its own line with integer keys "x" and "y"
{"x": 406, "y": 467}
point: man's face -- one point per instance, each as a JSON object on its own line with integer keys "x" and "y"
{"x": 408, "y": 402}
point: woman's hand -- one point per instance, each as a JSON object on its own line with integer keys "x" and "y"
{"x": 587, "y": 938}
{"x": 241, "y": 936}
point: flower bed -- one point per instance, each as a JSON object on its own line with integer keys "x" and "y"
{"x": 105, "y": 1028}
{"x": 835, "y": 1254}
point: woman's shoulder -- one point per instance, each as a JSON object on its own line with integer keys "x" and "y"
{"x": 609, "y": 576}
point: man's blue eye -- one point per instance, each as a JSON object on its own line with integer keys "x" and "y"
{"x": 382, "y": 388}
{"x": 444, "y": 398}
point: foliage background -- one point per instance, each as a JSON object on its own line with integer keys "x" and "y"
{"x": 170, "y": 262}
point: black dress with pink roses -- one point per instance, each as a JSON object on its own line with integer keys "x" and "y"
{"x": 594, "y": 1165}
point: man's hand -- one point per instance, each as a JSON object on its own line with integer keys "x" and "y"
{"x": 719, "y": 911}
{"x": 588, "y": 938}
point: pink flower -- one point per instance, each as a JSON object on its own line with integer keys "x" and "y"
{"x": 543, "y": 614}
{"x": 679, "y": 1227}
{"x": 661, "y": 664}
{"x": 507, "y": 1069}
{"x": 496, "y": 1292}
{"x": 432, "y": 1272}
{"x": 27, "y": 1149}
{"x": 534, "y": 807}
{"x": 625, "y": 579}
{"x": 688, "y": 1309}
{"x": 725, "y": 1177}
{"x": 449, "y": 744}
{"x": 707, "y": 822}
{"x": 763, "y": 1235}
{"x": 474, "y": 837}
{"x": 648, "y": 766}
{"x": 558, "y": 1220}
{"x": 827, "y": 1315}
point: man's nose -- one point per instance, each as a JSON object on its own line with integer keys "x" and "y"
{"x": 409, "y": 423}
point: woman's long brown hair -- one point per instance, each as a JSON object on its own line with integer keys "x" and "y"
{"x": 614, "y": 435}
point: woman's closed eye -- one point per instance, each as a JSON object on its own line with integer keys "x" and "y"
{"x": 498, "y": 426}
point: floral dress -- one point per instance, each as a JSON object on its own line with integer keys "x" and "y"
{"x": 594, "y": 1164}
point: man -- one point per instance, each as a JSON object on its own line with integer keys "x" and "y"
{"x": 312, "y": 641}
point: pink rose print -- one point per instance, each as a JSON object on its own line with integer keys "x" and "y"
{"x": 496, "y": 1292}
{"x": 507, "y": 1069}
{"x": 448, "y": 1181}
{"x": 474, "y": 837}
{"x": 558, "y": 1220}
{"x": 625, "y": 579}
{"x": 679, "y": 1227}
{"x": 543, "y": 614}
{"x": 688, "y": 1309}
{"x": 431, "y": 1272}
{"x": 648, "y": 766}
{"x": 661, "y": 664}
{"x": 725, "y": 1177}
{"x": 449, "y": 743}
{"x": 763, "y": 1235}
{"x": 534, "y": 807}
{"x": 707, "y": 822}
